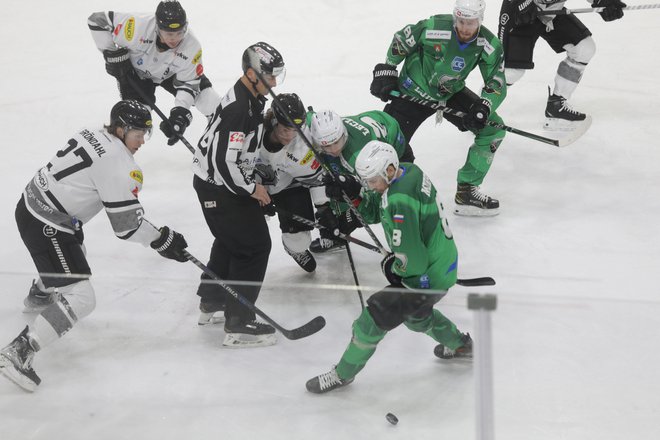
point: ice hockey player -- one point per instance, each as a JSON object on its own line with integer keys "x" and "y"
{"x": 423, "y": 259}
{"x": 339, "y": 140}
{"x": 438, "y": 54}
{"x": 150, "y": 50}
{"x": 94, "y": 170}
{"x": 297, "y": 186}
{"x": 519, "y": 29}
{"x": 232, "y": 200}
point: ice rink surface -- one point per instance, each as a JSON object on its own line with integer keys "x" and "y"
{"x": 575, "y": 250}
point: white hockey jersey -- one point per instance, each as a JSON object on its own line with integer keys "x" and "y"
{"x": 93, "y": 171}
{"x": 138, "y": 34}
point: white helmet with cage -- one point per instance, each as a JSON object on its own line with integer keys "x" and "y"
{"x": 374, "y": 159}
{"x": 469, "y": 9}
{"x": 327, "y": 128}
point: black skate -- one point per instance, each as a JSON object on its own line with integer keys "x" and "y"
{"x": 472, "y": 202}
{"x": 560, "y": 116}
{"x": 208, "y": 310}
{"x": 464, "y": 351}
{"x": 37, "y": 300}
{"x": 326, "y": 382}
{"x": 323, "y": 245}
{"x": 304, "y": 259}
{"x": 16, "y": 362}
{"x": 248, "y": 334}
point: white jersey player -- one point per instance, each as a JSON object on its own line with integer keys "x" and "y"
{"x": 94, "y": 170}
{"x": 297, "y": 186}
{"x": 145, "y": 51}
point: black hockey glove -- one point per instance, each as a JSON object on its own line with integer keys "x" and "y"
{"x": 344, "y": 222}
{"x": 266, "y": 173}
{"x": 386, "y": 267}
{"x": 613, "y": 9}
{"x": 180, "y": 118}
{"x": 270, "y": 210}
{"x": 475, "y": 118}
{"x": 117, "y": 62}
{"x": 340, "y": 184}
{"x": 170, "y": 244}
{"x": 527, "y": 14}
{"x": 386, "y": 79}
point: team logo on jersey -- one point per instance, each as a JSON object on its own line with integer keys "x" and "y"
{"x": 137, "y": 176}
{"x": 457, "y": 64}
{"x": 49, "y": 231}
{"x": 398, "y": 218}
{"x": 309, "y": 156}
{"x": 197, "y": 57}
{"x": 129, "y": 30}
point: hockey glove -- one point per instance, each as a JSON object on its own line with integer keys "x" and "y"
{"x": 613, "y": 9}
{"x": 270, "y": 209}
{"x": 344, "y": 222}
{"x": 386, "y": 267}
{"x": 475, "y": 118}
{"x": 118, "y": 62}
{"x": 173, "y": 128}
{"x": 526, "y": 15}
{"x": 266, "y": 173}
{"x": 170, "y": 244}
{"x": 336, "y": 186}
{"x": 386, "y": 79}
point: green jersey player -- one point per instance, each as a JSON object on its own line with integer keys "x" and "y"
{"x": 438, "y": 54}
{"x": 424, "y": 257}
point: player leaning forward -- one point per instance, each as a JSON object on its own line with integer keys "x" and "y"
{"x": 438, "y": 54}
{"x": 424, "y": 259}
{"x": 94, "y": 170}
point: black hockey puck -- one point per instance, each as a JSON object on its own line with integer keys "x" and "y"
{"x": 391, "y": 418}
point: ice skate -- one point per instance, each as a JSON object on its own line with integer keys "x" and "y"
{"x": 248, "y": 334}
{"x": 323, "y": 245}
{"x": 559, "y": 116}
{"x": 304, "y": 259}
{"x": 16, "y": 362}
{"x": 326, "y": 382}
{"x": 208, "y": 312}
{"x": 472, "y": 202}
{"x": 37, "y": 300}
{"x": 464, "y": 351}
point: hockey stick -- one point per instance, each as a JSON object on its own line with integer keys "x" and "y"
{"x": 355, "y": 277}
{"x": 435, "y": 105}
{"x": 303, "y": 331}
{"x": 153, "y": 105}
{"x": 599, "y": 9}
{"x": 320, "y": 159}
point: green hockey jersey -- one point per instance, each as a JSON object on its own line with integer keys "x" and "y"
{"x": 437, "y": 64}
{"x": 416, "y": 230}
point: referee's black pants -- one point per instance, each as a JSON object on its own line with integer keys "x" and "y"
{"x": 241, "y": 247}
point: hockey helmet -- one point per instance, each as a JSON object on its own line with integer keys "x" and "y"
{"x": 469, "y": 9}
{"x": 131, "y": 114}
{"x": 264, "y": 59}
{"x": 291, "y": 105}
{"x": 374, "y": 159}
{"x": 327, "y": 128}
{"x": 171, "y": 17}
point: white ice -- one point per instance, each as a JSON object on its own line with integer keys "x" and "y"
{"x": 573, "y": 250}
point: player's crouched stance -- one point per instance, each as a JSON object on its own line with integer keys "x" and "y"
{"x": 95, "y": 169}
{"x": 412, "y": 220}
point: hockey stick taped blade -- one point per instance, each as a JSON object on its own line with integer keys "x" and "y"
{"x": 473, "y": 282}
{"x": 308, "y": 329}
{"x": 575, "y": 134}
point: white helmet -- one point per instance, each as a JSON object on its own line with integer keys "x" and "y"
{"x": 469, "y": 9}
{"x": 327, "y": 128}
{"x": 374, "y": 159}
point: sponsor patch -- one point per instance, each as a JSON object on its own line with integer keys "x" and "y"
{"x": 40, "y": 180}
{"x": 236, "y": 137}
{"x": 210, "y": 204}
{"x": 135, "y": 191}
{"x": 129, "y": 30}
{"x": 118, "y": 29}
{"x": 407, "y": 83}
{"x": 197, "y": 57}
{"x": 49, "y": 231}
{"x": 315, "y": 164}
{"x": 398, "y": 218}
{"x": 457, "y": 64}
{"x": 137, "y": 176}
{"x": 199, "y": 70}
{"x": 432, "y": 34}
{"x": 309, "y": 156}
{"x": 424, "y": 282}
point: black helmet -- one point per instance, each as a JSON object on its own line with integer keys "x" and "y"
{"x": 263, "y": 58}
{"x": 170, "y": 16}
{"x": 290, "y": 104}
{"x": 129, "y": 114}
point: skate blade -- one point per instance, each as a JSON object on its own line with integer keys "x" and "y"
{"x": 242, "y": 340}
{"x": 10, "y": 372}
{"x": 473, "y": 211}
{"x": 210, "y": 318}
{"x": 562, "y": 125}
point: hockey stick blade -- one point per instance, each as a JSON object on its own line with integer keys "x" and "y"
{"x": 474, "y": 282}
{"x": 305, "y": 330}
{"x": 575, "y": 134}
